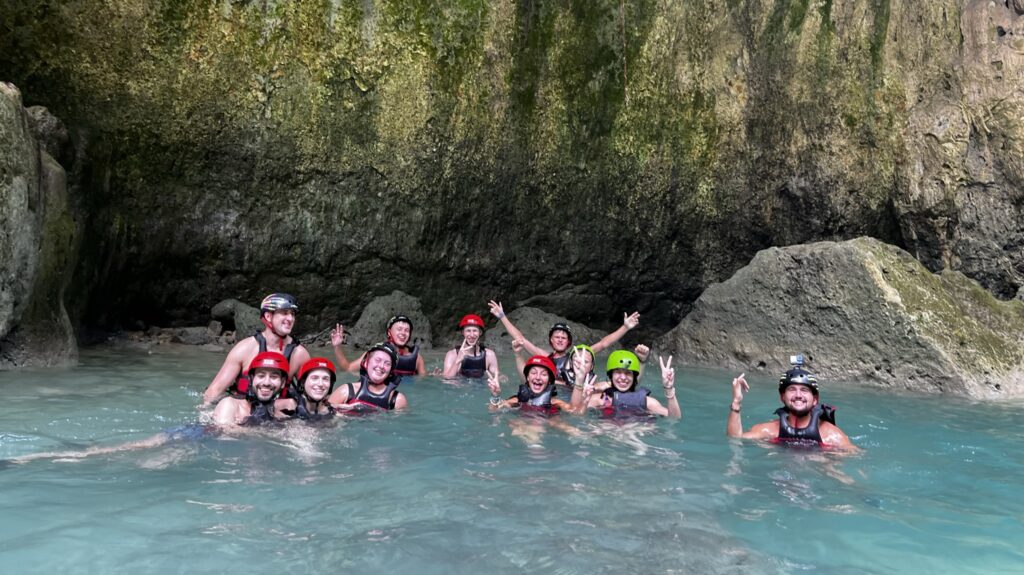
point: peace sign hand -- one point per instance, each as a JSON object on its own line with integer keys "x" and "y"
{"x": 739, "y": 386}
{"x": 337, "y": 335}
{"x": 668, "y": 373}
{"x": 493, "y": 383}
{"x": 496, "y": 309}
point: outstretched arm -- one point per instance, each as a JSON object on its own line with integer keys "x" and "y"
{"x": 629, "y": 321}
{"x": 668, "y": 381}
{"x": 499, "y": 312}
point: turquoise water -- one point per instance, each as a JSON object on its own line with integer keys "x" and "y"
{"x": 450, "y": 488}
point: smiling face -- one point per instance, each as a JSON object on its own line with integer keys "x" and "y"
{"x": 538, "y": 379}
{"x": 622, "y": 379}
{"x": 378, "y": 367}
{"x": 266, "y": 382}
{"x": 400, "y": 332}
{"x": 798, "y": 399}
{"x": 559, "y": 341}
{"x": 472, "y": 334}
{"x": 318, "y": 384}
{"x": 281, "y": 321}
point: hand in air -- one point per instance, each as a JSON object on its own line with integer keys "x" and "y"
{"x": 465, "y": 348}
{"x": 739, "y": 387}
{"x": 496, "y": 309}
{"x": 642, "y": 352}
{"x": 337, "y": 335}
{"x": 668, "y": 373}
{"x": 631, "y": 320}
{"x": 493, "y": 383}
{"x": 578, "y": 358}
{"x": 588, "y": 385}
{"x": 517, "y": 345}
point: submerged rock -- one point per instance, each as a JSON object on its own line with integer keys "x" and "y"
{"x": 372, "y": 324}
{"x": 859, "y": 310}
{"x": 535, "y": 325}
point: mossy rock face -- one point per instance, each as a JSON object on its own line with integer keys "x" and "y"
{"x": 38, "y": 244}
{"x": 583, "y": 156}
{"x": 860, "y": 311}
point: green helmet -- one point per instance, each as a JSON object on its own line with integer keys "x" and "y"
{"x": 623, "y": 359}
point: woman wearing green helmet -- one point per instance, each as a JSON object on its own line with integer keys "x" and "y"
{"x": 623, "y": 396}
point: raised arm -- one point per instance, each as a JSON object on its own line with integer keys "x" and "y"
{"x": 338, "y": 338}
{"x": 499, "y": 312}
{"x": 668, "y": 381}
{"x": 734, "y": 425}
{"x": 629, "y": 321}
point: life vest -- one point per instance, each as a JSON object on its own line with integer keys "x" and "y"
{"x": 561, "y": 363}
{"x": 625, "y": 403}
{"x": 474, "y": 365}
{"x": 241, "y": 385}
{"x": 384, "y": 400}
{"x": 406, "y": 364}
{"x": 540, "y": 403}
{"x": 260, "y": 412}
{"x": 302, "y": 410}
{"x": 809, "y": 435}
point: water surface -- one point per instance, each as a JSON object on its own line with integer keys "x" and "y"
{"x": 450, "y": 488}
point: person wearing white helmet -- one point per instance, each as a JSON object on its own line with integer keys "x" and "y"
{"x": 278, "y": 316}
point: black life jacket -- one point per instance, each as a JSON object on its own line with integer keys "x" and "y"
{"x": 561, "y": 364}
{"x": 811, "y": 434}
{"x": 474, "y": 365}
{"x": 302, "y": 409}
{"x": 241, "y": 385}
{"x": 260, "y": 412}
{"x": 406, "y": 364}
{"x": 385, "y": 400}
{"x": 624, "y": 403}
{"x": 538, "y": 402}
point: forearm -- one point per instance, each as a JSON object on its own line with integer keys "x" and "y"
{"x": 610, "y": 339}
{"x": 452, "y": 367}
{"x": 673, "y": 406}
{"x": 734, "y": 426}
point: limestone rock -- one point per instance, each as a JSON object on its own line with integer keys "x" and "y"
{"x": 859, "y": 310}
{"x": 192, "y": 335}
{"x": 245, "y": 318}
{"x": 372, "y": 324}
{"x": 49, "y": 131}
{"x": 38, "y": 246}
{"x": 535, "y": 325}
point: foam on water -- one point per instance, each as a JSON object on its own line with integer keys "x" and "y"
{"x": 450, "y": 488}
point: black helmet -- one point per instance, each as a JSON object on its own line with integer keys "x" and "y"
{"x": 385, "y": 347}
{"x": 798, "y": 376}
{"x": 561, "y": 327}
{"x": 398, "y": 318}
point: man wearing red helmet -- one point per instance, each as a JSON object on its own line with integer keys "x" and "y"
{"x": 278, "y": 316}
{"x": 268, "y": 374}
{"x": 802, "y": 419}
{"x": 471, "y": 359}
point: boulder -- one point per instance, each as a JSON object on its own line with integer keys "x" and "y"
{"x": 535, "y": 325}
{"x": 49, "y": 131}
{"x": 859, "y": 310}
{"x": 372, "y": 324}
{"x": 245, "y": 318}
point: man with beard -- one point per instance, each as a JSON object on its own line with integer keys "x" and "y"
{"x": 278, "y": 315}
{"x": 802, "y": 420}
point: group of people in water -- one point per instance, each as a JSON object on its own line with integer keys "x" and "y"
{"x": 270, "y": 376}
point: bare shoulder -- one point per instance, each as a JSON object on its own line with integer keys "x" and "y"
{"x": 767, "y": 430}
{"x": 832, "y": 436}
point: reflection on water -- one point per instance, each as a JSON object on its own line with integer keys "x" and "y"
{"x": 450, "y": 488}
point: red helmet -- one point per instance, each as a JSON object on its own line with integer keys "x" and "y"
{"x": 317, "y": 363}
{"x": 543, "y": 361}
{"x": 269, "y": 360}
{"x": 471, "y": 320}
